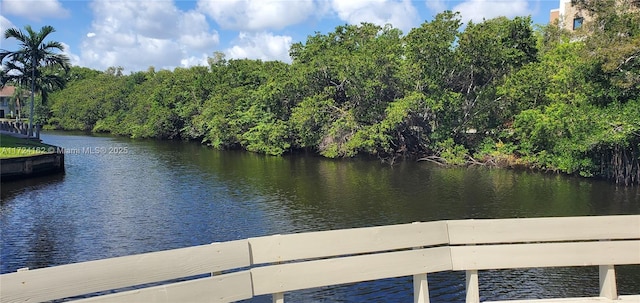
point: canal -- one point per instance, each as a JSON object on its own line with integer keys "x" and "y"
{"x": 121, "y": 196}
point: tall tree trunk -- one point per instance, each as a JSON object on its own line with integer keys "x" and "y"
{"x": 33, "y": 88}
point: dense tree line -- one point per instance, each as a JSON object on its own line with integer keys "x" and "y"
{"x": 498, "y": 92}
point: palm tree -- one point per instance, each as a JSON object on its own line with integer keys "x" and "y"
{"x": 47, "y": 79}
{"x": 33, "y": 53}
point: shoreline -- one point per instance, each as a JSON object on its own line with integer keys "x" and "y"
{"x": 31, "y": 166}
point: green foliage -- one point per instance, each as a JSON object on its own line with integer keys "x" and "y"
{"x": 431, "y": 51}
{"x": 614, "y": 47}
{"x": 556, "y": 135}
{"x": 336, "y": 141}
{"x": 497, "y": 90}
{"x": 452, "y": 153}
{"x": 499, "y": 153}
{"x": 310, "y": 118}
{"x": 348, "y": 79}
{"x": 587, "y": 122}
{"x": 271, "y": 138}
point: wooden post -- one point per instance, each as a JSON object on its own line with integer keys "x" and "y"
{"x": 473, "y": 291}
{"x": 608, "y": 282}
{"x": 420, "y": 285}
{"x": 420, "y": 289}
{"x": 278, "y": 297}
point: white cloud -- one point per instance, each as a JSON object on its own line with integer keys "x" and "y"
{"x": 7, "y": 43}
{"x": 155, "y": 19}
{"x": 193, "y": 61}
{"x": 140, "y": 34}
{"x": 73, "y": 58}
{"x": 34, "y": 9}
{"x": 436, "y": 6}
{"x": 4, "y": 25}
{"x": 264, "y": 46}
{"x": 401, "y": 14}
{"x": 476, "y": 10}
{"x": 257, "y": 15}
{"x": 195, "y": 33}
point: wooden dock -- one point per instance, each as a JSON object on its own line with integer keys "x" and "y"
{"x": 238, "y": 270}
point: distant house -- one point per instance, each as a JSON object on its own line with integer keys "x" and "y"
{"x": 571, "y": 18}
{"x": 7, "y": 107}
{"x": 568, "y": 16}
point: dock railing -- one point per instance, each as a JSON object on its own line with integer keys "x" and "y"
{"x": 238, "y": 270}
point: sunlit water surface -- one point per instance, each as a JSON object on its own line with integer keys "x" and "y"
{"x": 149, "y": 195}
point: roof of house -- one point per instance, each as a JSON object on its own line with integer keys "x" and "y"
{"x": 7, "y": 91}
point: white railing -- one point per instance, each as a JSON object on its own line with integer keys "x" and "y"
{"x": 237, "y": 270}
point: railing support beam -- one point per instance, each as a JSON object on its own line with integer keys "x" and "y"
{"x": 278, "y": 297}
{"x": 420, "y": 289}
{"x": 608, "y": 282}
{"x": 473, "y": 291}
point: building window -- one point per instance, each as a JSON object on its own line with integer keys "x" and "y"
{"x": 577, "y": 22}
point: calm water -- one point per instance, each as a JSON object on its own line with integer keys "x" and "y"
{"x": 152, "y": 195}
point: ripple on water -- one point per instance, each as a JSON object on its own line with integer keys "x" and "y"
{"x": 164, "y": 195}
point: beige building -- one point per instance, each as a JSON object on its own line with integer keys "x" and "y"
{"x": 6, "y": 94}
{"x": 568, "y": 16}
{"x": 571, "y": 18}
{"x": 7, "y": 107}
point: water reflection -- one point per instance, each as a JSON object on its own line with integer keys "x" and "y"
{"x": 163, "y": 195}
{"x": 12, "y": 188}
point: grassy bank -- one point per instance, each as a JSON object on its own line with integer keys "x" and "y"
{"x": 12, "y": 147}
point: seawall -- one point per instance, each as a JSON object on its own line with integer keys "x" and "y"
{"x": 31, "y": 166}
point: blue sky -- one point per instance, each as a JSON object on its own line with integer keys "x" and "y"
{"x": 165, "y": 34}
